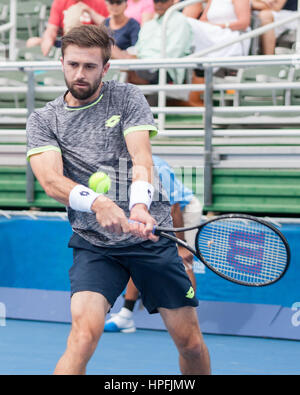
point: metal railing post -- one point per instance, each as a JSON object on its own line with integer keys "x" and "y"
{"x": 30, "y": 107}
{"x": 208, "y": 130}
{"x": 12, "y": 31}
{"x": 297, "y": 49}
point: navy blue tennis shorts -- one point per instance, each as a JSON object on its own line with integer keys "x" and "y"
{"x": 156, "y": 270}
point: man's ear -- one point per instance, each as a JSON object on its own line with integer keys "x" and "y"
{"x": 62, "y": 62}
{"x": 105, "y": 69}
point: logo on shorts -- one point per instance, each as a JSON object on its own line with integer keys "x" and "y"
{"x": 113, "y": 121}
{"x": 190, "y": 293}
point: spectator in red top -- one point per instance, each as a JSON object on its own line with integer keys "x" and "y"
{"x": 66, "y": 14}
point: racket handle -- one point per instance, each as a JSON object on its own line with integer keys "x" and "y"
{"x": 136, "y": 222}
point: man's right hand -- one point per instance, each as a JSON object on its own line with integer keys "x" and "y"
{"x": 110, "y": 216}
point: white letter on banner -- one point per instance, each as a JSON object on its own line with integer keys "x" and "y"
{"x": 2, "y": 314}
{"x": 296, "y": 316}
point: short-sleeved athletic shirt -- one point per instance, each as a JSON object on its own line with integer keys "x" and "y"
{"x": 91, "y": 138}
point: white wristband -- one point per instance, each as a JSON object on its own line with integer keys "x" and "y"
{"x": 141, "y": 192}
{"x": 81, "y": 198}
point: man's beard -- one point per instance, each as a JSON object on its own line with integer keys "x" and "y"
{"x": 87, "y": 92}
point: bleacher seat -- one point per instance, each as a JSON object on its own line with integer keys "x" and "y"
{"x": 263, "y": 75}
{"x": 12, "y": 79}
{"x": 31, "y": 17}
{"x": 295, "y": 93}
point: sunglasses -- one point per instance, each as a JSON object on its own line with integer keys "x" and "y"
{"x": 160, "y": 1}
{"x": 118, "y": 2}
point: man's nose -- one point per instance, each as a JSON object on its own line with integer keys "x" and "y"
{"x": 79, "y": 73}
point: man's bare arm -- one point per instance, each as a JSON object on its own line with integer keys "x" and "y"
{"x": 48, "y": 169}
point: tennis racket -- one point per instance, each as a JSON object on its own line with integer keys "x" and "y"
{"x": 240, "y": 248}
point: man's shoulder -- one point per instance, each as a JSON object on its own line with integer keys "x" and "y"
{"x": 117, "y": 87}
{"x": 48, "y": 109}
{"x": 148, "y": 24}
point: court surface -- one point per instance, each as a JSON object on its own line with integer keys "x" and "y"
{"x": 33, "y": 348}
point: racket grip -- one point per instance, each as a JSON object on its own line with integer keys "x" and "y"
{"x": 136, "y": 222}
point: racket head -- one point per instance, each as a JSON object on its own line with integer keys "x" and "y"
{"x": 243, "y": 249}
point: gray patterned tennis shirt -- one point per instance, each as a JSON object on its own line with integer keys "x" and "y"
{"x": 91, "y": 138}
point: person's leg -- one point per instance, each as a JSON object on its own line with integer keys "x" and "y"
{"x": 268, "y": 39}
{"x": 88, "y": 311}
{"x": 134, "y": 78}
{"x": 192, "y": 214}
{"x": 195, "y": 97}
{"x": 123, "y": 320}
{"x": 132, "y": 293}
{"x": 183, "y": 326}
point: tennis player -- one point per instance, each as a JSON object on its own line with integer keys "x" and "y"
{"x": 106, "y": 126}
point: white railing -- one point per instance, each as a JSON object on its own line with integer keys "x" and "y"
{"x": 11, "y": 28}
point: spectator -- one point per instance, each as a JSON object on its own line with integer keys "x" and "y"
{"x": 186, "y": 211}
{"x": 66, "y": 14}
{"x": 220, "y": 22}
{"x": 179, "y": 39}
{"x": 270, "y": 11}
{"x": 141, "y": 10}
{"x": 194, "y": 10}
{"x": 125, "y": 30}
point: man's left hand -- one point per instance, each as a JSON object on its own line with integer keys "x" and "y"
{"x": 143, "y": 223}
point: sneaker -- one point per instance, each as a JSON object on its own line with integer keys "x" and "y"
{"x": 120, "y": 322}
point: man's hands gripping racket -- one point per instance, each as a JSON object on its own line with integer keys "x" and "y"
{"x": 240, "y": 248}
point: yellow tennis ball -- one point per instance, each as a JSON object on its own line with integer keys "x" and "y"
{"x": 99, "y": 182}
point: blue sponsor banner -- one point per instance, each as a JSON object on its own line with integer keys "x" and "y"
{"x": 34, "y": 253}
{"x": 34, "y": 284}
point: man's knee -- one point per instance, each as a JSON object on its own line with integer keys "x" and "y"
{"x": 88, "y": 316}
{"x": 192, "y": 346}
{"x": 190, "y": 342}
{"x": 84, "y": 340}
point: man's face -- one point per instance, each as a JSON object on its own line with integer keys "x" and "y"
{"x": 83, "y": 71}
{"x": 160, "y": 7}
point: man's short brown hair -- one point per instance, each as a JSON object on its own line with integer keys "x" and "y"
{"x": 89, "y": 36}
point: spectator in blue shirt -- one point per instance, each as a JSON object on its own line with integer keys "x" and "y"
{"x": 124, "y": 30}
{"x": 186, "y": 210}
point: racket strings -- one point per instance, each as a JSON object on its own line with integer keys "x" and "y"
{"x": 243, "y": 250}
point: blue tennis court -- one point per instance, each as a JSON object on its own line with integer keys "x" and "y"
{"x": 33, "y": 348}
